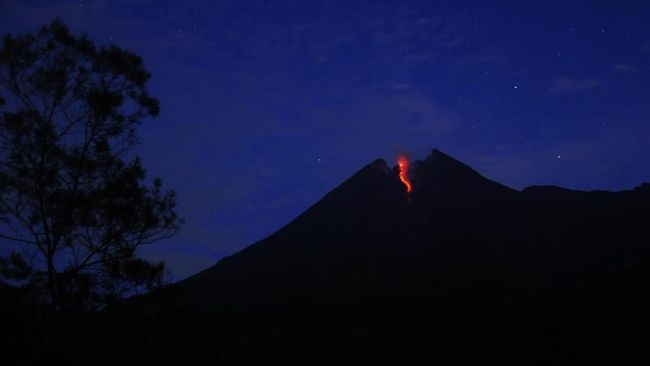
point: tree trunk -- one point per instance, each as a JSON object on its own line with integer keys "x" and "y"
{"x": 52, "y": 284}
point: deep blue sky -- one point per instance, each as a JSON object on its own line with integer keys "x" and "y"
{"x": 268, "y": 105}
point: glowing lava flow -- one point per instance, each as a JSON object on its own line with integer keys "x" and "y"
{"x": 403, "y": 163}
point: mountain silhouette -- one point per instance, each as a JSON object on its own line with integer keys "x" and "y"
{"x": 461, "y": 269}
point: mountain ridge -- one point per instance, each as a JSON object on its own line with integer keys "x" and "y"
{"x": 427, "y": 172}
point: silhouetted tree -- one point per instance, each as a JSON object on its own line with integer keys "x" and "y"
{"x": 69, "y": 193}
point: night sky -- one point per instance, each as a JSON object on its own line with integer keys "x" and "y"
{"x": 268, "y": 105}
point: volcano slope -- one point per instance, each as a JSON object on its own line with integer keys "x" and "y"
{"x": 461, "y": 269}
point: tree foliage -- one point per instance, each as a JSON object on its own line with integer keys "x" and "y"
{"x": 70, "y": 191}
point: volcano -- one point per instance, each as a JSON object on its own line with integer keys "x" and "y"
{"x": 460, "y": 268}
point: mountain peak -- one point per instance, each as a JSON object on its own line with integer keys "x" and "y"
{"x": 440, "y": 161}
{"x": 451, "y": 193}
{"x": 437, "y": 154}
{"x": 379, "y": 163}
{"x": 441, "y": 172}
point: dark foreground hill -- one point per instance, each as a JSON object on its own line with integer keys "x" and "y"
{"x": 461, "y": 269}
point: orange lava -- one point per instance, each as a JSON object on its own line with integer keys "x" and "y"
{"x": 403, "y": 163}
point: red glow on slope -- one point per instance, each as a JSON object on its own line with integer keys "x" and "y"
{"x": 403, "y": 163}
